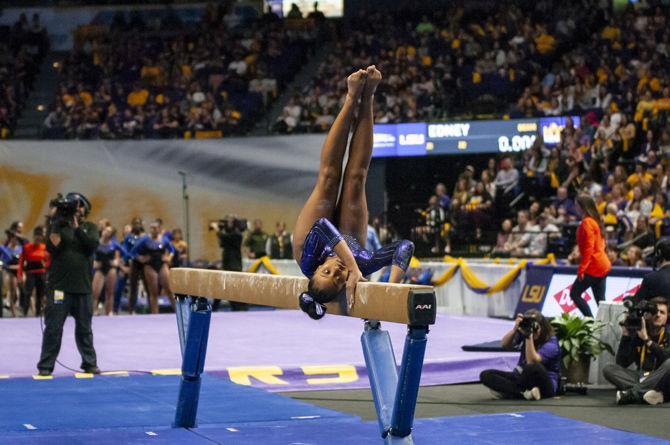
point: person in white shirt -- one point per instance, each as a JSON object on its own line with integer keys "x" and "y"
{"x": 508, "y": 177}
{"x": 540, "y": 241}
{"x": 522, "y": 234}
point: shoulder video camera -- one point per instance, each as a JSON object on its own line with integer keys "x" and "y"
{"x": 225, "y": 225}
{"x": 636, "y": 312}
{"x": 66, "y": 208}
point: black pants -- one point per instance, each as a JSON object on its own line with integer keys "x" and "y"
{"x": 597, "y": 284}
{"x": 512, "y": 384}
{"x": 664, "y": 386}
{"x": 80, "y": 306}
{"x": 629, "y": 379}
{"x": 36, "y": 281}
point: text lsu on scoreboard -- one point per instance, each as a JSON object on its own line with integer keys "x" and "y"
{"x": 466, "y": 137}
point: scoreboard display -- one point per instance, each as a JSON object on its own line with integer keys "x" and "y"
{"x": 466, "y": 137}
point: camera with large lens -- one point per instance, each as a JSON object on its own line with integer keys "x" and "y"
{"x": 637, "y": 312}
{"x": 527, "y": 324}
{"x": 565, "y": 387}
{"x": 66, "y": 208}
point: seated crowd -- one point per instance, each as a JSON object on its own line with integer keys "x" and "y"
{"x": 168, "y": 79}
{"x": 164, "y": 78}
{"x": 463, "y": 59}
{"x": 618, "y": 84}
{"x": 22, "y": 48}
{"x": 624, "y": 165}
{"x": 539, "y": 61}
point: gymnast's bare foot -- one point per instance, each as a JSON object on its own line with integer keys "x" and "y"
{"x": 374, "y": 76}
{"x": 356, "y": 84}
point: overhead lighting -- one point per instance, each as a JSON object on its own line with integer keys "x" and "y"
{"x": 41, "y": 107}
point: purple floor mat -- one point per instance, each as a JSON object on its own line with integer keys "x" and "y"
{"x": 276, "y": 350}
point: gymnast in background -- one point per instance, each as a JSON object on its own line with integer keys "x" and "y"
{"x": 331, "y": 229}
{"x": 106, "y": 262}
{"x": 155, "y": 253}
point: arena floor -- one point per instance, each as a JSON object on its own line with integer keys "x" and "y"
{"x": 597, "y": 407}
{"x": 261, "y": 343}
{"x": 126, "y": 407}
{"x": 140, "y": 409}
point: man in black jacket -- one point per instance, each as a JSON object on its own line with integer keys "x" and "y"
{"x": 649, "y": 349}
{"x": 71, "y": 245}
{"x": 230, "y": 240}
{"x": 657, "y": 283}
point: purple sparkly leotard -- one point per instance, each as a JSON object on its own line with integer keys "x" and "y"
{"x": 323, "y": 236}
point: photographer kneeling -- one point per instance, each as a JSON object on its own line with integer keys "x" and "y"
{"x": 537, "y": 372}
{"x": 644, "y": 342}
{"x": 71, "y": 241}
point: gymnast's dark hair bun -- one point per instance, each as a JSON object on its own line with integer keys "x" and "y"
{"x": 311, "y": 307}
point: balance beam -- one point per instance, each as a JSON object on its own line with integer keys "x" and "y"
{"x": 398, "y": 303}
{"x": 394, "y": 388}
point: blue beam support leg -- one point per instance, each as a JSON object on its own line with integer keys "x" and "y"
{"x": 382, "y": 371}
{"x": 408, "y": 383}
{"x": 193, "y": 317}
{"x": 395, "y": 393}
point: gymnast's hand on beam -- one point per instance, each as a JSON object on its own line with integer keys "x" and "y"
{"x": 354, "y": 277}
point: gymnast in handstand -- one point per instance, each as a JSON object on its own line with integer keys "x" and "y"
{"x": 329, "y": 231}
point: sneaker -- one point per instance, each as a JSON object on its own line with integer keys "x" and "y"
{"x": 532, "y": 394}
{"x": 653, "y": 397}
{"x": 44, "y": 373}
{"x": 92, "y": 370}
{"x": 496, "y": 395}
{"x": 625, "y": 397}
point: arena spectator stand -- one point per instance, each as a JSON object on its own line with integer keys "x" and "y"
{"x": 140, "y": 78}
{"x": 575, "y": 58}
{"x": 22, "y": 48}
{"x": 468, "y": 58}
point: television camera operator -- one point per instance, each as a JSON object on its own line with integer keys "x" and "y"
{"x": 71, "y": 241}
{"x": 230, "y": 233}
{"x": 644, "y": 342}
{"x": 657, "y": 283}
{"x": 537, "y": 372}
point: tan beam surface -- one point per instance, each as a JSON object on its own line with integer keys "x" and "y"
{"x": 375, "y": 301}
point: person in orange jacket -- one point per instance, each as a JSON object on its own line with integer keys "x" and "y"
{"x": 33, "y": 265}
{"x": 595, "y": 265}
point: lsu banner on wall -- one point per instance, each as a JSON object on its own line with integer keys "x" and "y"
{"x": 548, "y": 288}
{"x": 266, "y": 178}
